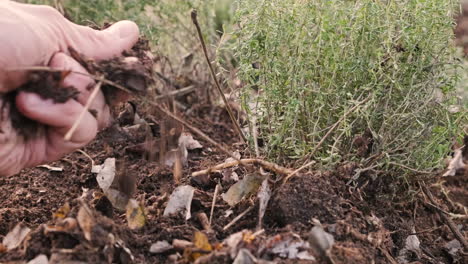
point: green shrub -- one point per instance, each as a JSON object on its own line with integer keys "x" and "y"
{"x": 318, "y": 59}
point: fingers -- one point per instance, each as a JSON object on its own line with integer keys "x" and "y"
{"x": 59, "y": 118}
{"x": 102, "y": 44}
{"x": 96, "y": 44}
{"x": 80, "y": 79}
{"x": 31, "y": 34}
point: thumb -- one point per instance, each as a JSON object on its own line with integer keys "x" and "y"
{"x": 101, "y": 44}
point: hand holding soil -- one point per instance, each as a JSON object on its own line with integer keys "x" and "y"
{"x": 32, "y": 35}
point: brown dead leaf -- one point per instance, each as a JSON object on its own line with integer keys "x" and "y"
{"x": 86, "y": 221}
{"x": 65, "y": 225}
{"x": 243, "y": 188}
{"x": 455, "y": 164}
{"x": 15, "y": 237}
{"x": 135, "y": 214}
{"x": 62, "y": 212}
{"x": 202, "y": 244}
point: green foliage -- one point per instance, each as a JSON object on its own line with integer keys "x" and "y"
{"x": 318, "y": 59}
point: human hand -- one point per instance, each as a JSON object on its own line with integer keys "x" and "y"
{"x": 33, "y": 35}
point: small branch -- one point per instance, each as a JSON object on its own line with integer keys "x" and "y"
{"x": 213, "y": 74}
{"x": 325, "y": 138}
{"x": 444, "y": 216}
{"x": 410, "y": 169}
{"x": 182, "y": 91}
{"x": 86, "y": 155}
{"x": 215, "y": 195}
{"x": 265, "y": 164}
{"x": 237, "y": 218}
{"x": 70, "y": 132}
{"x": 204, "y": 222}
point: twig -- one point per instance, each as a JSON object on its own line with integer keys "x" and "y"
{"x": 86, "y": 155}
{"x": 265, "y": 164}
{"x": 237, "y": 218}
{"x": 409, "y": 168}
{"x": 387, "y": 255}
{"x": 182, "y": 91}
{"x": 324, "y": 138}
{"x": 70, "y": 132}
{"x": 215, "y": 195}
{"x": 213, "y": 74}
{"x": 204, "y": 222}
{"x": 444, "y": 216}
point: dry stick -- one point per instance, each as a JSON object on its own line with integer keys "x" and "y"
{"x": 387, "y": 255}
{"x": 265, "y": 164}
{"x": 86, "y": 155}
{"x": 215, "y": 195}
{"x": 182, "y": 91}
{"x": 324, "y": 138}
{"x": 237, "y": 218}
{"x": 444, "y": 216}
{"x": 70, "y": 132}
{"x": 213, "y": 74}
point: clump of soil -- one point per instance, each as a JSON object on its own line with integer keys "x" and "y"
{"x": 303, "y": 199}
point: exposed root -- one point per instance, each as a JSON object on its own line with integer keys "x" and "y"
{"x": 265, "y": 164}
{"x": 446, "y": 219}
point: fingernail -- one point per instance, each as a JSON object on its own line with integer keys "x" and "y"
{"x": 124, "y": 29}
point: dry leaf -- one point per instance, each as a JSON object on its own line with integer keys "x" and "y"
{"x": 411, "y": 246}
{"x": 117, "y": 198}
{"x": 292, "y": 248}
{"x": 41, "y": 259}
{"x": 65, "y": 225}
{"x": 180, "y": 200}
{"x": 62, "y": 212}
{"x": 233, "y": 241}
{"x": 135, "y": 215}
{"x": 105, "y": 173}
{"x": 186, "y": 139}
{"x": 242, "y": 189}
{"x": 264, "y": 197}
{"x": 321, "y": 240}
{"x": 200, "y": 241}
{"x": 160, "y": 247}
{"x": 455, "y": 164}
{"x": 14, "y": 238}
{"x": 244, "y": 257}
{"x": 86, "y": 221}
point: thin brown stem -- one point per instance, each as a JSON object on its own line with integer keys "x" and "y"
{"x": 213, "y": 74}
{"x": 75, "y": 125}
